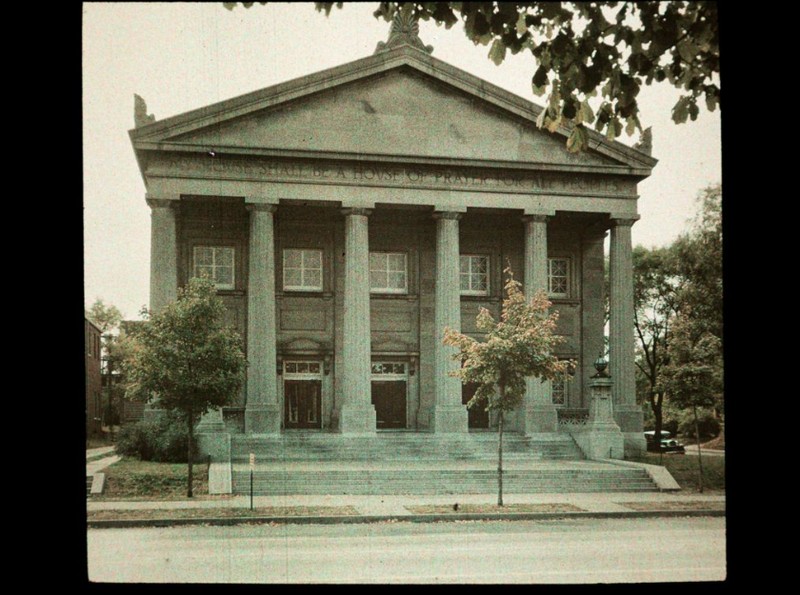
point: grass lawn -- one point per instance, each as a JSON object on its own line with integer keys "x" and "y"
{"x": 684, "y": 469}
{"x": 677, "y": 505}
{"x": 131, "y": 479}
{"x": 484, "y": 508}
{"x": 220, "y": 513}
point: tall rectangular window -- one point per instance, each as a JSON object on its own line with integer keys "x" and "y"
{"x": 216, "y": 263}
{"x": 558, "y": 277}
{"x": 474, "y": 274}
{"x": 388, "y": 272}
{"x": 559, "y": 390}
{"x": 302, "y": 270}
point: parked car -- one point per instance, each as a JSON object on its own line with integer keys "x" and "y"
{"x": 668, "y": 443}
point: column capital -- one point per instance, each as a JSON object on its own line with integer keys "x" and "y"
{"x": 356, "y": 211}
{"x": 536, "y": 218}
{"x": 447, "y": 215}
{"x": 259, "y": 207}
{"x": 623, "y": 221}
{"x": 162, "y": 203}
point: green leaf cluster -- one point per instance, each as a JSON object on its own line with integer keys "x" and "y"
{"x": 184, "y": 357}
{"x": 582, "y": 49}
{"x": 515, "y": 347}
{"x": 678, "y": 314}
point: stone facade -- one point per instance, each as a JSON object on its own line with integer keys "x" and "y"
{"x": 351, "y": 215}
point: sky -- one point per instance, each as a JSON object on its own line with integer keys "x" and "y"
{"x": 182, "y": 56}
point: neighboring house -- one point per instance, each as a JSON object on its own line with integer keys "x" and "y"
{"x": 94, "y": 382}
{"x": 350, "y": 215}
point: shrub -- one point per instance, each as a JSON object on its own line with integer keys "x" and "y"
{"x": 671, "y": 426}
{"x": 668, "y": 423}
{"x": 707, "y": 422}
{"x": 163, "y": 440}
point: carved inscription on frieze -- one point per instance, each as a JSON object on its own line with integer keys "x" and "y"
{"x": 390, "y": 175}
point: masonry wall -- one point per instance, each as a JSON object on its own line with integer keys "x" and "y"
{"x": 309, "y": 324}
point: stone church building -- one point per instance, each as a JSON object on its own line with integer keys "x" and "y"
{"x": 349, "y": 216}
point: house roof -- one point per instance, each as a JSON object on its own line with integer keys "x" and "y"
{"x": 190, "y": 131}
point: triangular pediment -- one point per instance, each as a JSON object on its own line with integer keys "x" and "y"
{"x": 406, "y": 105}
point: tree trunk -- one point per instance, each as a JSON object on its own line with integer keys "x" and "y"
{"x": 500, "y": 459}
{"x": 699, "y": 454}
{"x": 658, "y": 414}
{"x": 190, "y": 440}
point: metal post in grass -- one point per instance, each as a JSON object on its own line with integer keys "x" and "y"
{"x": 252, "y": 468}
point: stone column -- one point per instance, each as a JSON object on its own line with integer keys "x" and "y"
{"x": 627, "y": 414}
{"x": 163, "y": 253}
{"x": 449, "y": 415}
{"x": 540, "y": 414}
{"x": 163, "y": 266}
{"x": 262, "y": 412}
{"x": 356, "y": 413}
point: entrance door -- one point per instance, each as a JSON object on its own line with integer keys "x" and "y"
{"x": 389, "y": 399}
{"x": 303, "y": 400}
{"x": 477, "y": 416}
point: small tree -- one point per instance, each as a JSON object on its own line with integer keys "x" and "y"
{"x": 694, "y": 374}
{"x": 655, "y": 301}
{"x": 186, "y": 359}
{"x": 519, "y": 345}
{"x": 107, "y": 318}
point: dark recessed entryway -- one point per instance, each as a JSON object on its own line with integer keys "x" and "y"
{"x": 477, "y": 417}
{"x": 389, "y": 399}
{"x": 303, "y": 399}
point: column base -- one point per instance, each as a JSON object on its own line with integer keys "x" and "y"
{"x": 601, "y": 441}
{"x": 211, "y": 422}
{"x": 630, "y": 419}
{"x": 635, "y": 444}
{"x": 539, "y": 420}
{"x": 262, "y": 420}
{"x": 449, "y": 420}
{"x": 354, "y": 420}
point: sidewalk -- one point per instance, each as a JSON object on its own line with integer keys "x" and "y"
{"x": 235, "y": 509}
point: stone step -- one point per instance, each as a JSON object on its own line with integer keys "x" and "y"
{"x": 445, "y": 481}
{"x": 89, "y": 480}
{"x": 399, "y": 446}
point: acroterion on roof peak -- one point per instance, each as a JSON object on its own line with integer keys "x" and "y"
{"x": 404, "y": 31}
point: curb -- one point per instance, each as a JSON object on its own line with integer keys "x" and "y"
{"x": 412, "y": 518}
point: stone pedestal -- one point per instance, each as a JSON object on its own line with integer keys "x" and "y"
{"x": 213, "y": 437}
{"x": 262, "y": 413}
{"x": 602, "y": 438}
{"x": 356, "y": 414}
{"x": 211, "y": 422}
{"x": 449, "y": 415}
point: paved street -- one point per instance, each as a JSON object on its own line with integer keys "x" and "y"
{"x": 558, "y": 551}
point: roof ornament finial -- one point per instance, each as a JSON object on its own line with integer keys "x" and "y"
{"x": 140, "y": 115}
{"x": 404, "y": 31}
{"x": 645, "y": 144}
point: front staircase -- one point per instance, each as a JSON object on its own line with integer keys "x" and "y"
{"x": 418, "y": 463}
